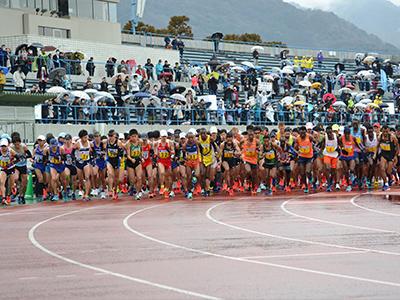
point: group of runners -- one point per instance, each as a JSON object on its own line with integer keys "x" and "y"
{"x": 200, "y": 162}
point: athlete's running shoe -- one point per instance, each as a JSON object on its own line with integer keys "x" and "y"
{"x": 337, "y": 187}
{"x": 139, "y": 196}
{"x": 385, "y": 187}
{"x": 349, "y": 188}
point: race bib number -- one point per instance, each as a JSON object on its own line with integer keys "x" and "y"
{"x": 330, "y": 149}
{"x": 304, "y": 149}
{"x": 385, "y": 147}
{"x": 164, "y": 154}
{"x": 270, "y": 155}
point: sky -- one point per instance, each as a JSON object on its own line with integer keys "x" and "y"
{"x": 323, "y": 4}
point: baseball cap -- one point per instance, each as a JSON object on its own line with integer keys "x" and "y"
{"x": 335, "y": 127}
{"x": 53, "y": 142}
{"x": 193, "y": 131}
{"x": 213, "y": 129}
{"x": 62, "y": 135}
{"x": 68, "y": 137}
{"x": 309, "y": 125}
{"x": 3, "y": 142}
{"x": 163, "y": 133}
{"x": 171, "y": 131}
{"x": 121, "y": 136}
{"x": 182, "y": 135}
{"x": 41, "y": 138}
{"x": 377, "y": 125}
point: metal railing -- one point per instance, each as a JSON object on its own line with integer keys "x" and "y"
{"x": 131, "y": 115}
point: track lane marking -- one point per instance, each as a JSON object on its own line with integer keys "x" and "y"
{"x": 233, "y": 258}
{"x": 353, "y": 202}
{"x": 305, "y": 254}
{"x": 32, "y": 238}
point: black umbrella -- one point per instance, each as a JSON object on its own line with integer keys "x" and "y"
{"x": 20, "y": 47}
{"x": 57, "y": 73}
{"x": 217, "y": 36}
{"x": 178, "y": 90}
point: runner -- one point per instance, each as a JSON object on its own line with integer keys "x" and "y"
{"x": 304, "y": 147}
{"x": 133, "y": 150}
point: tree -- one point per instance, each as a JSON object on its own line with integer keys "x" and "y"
{"x": 178, "y": 25}
{"x": 245, "y": 37}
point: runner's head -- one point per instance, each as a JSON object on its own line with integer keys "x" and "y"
{"x": 229, "y": 137}
{"x": 370, "y": 131}
{"x": 203, "y": 133}
{"x": 97, "y": 137}
{"x": 329, "y": 132}
{"x": 53, "y": 143}
{"x": 133, "y": 135}
{"x": 385, "y": 130}
{"x": 303, "y": 132}
{"x": 163, "y": 135}
{"x": 41, "y": 140}
{"x": 83, "y": 135}
{"x": 112, "y": 135}
{"x": 346, "y": 132}
{"x": 3, "y": 144}
{"x": 250, "y": 134}
{"x": 68, "y": 140}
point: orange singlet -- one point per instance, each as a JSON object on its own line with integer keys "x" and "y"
{"x": 249, "y": 152}
{"x": 348, "y": 146}
{"x": 305, "y": 147}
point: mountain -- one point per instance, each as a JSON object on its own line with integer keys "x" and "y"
{"x": 380, "y": 17}
{"x": 274, "y": 20}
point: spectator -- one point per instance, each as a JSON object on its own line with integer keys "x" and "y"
{"x": 88, "y": 84}
{"x": 125, "y": 86}
{"x": 66, "y": 83}
{"x": 212, "y": 85}
{"x": 149, "y": 69}
{"x": 104, "y": 85}
{"x": 174, "y": 43}
{"x": 159, "y": 69}
{"x": 256, "y": 56}
{"x": 19, "y": 80}
{"x": 135, "y": 84}
{"x": 90, "y": 67}
{"x": 3, "y": 56}
{"x": 110, "y": 66}
{"x": 167, "y": 42}
{"x": 43, "y": 77}
{"x": 121, "y": 68}
{"x": 49, "y": 63}
{"x": 320, "y": 58}
{"x": 140, "y": 71}
{"x": 195, "y": 83}
{"x": 118, "y": 85}
{"x": 2, "y": 80}
{"x": 167, "y": 67}
{"x": 140, "y": 112}
{"x": 181, "y": 48}
{"x": 178, "y": 72}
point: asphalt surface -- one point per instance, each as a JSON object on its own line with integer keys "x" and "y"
{"x": 321, "y": 246}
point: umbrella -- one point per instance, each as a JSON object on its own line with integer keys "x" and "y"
{"x": 114, "y": 78}
{"x": 57, "y": 73}
{"x": 316, "y": 85}
{"x": 360, "y": 96}
{"x": 56, "y": 90}
{"x": 397, "y": 82}
{"x": 384, "y": 105}
{"x": 275, "y": 75}
{"x": 154, "y": 99}
{"x": 257, "y": 48}
{"x": 217, "y": 36}
{"x": 368, "y": 74}
{"x": 91, "y": 91}
{"x": 230, "y": 63}
{"x": 305, "y": 83}
{"x": 178, "y": 97}
{"x": 300, "y": 102}
{"x": 329, "y": 96}
{"x": 275, "y": 70}
{"x": 365, "y": 101}
{"x": 49, "y": 48}
{"x": 287, "y": 100}
{"x": 238, "y": 69}
{"x": 80, "y": 95}
{"x": 350, "y": 86}
{"x": 105, "y": 95}
{"x": 178, "y": 90}
{"x": 369, "y": 59}
{"x": 311, "y": 75}
{"x": 373, "y": 105}
{"x": 166, "y": 74}
{"x": 339, "y": 104}
{"x": 142, "y": 95}
{"x": 5, "y": 70}
{"x": 248, "y": 64}
{"x": 37, "y": 45}
{"x": 359, "y": 56}
{"x": 268, "y": 77}
{"x": 126, "y": 97}
{"x": 287, "y": 70}
{"x": 345, "y": 90}
{"x": 20, "y": 47}
{"x": 360, "y": 105}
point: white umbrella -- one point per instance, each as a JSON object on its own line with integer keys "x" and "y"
{"x": 340, "y": 76}
{"x": 56, "y": 90}
{"x": 105, "y": 95}
{"x": 369, "y": 59}
{"x": 360, "y": 96}
{"x": 156, "y": 101}
{"x": 80, "y": 95}
{"x": 275, "y": 70}
{"x": 178, "y": 97}
{"x": 311, "y": 75}
{"x": 258, "y": 48}
{"x": 305, "y": 83}
{"x": 359, "y": 55}
{"x": 251, "y": 101}
{"x": 126, "y": 97}
{"x": 287, "y": 100}
{"x": 275, "y": 75}
{"x": 339, "y": 104}
{"x": 365, "y": 101}
{"x": 230, "y": 63}
{"x": 287, "y": 70}
{"x": 114, "y": 78}
{"x": 360, "y": 105}
{"x": 268, "y": 77}
{"x": 366, "y": 74}
{"x": 344, "y": 90}
{"x": 238, "y": 69}
{"x": 91, "y": 91}
{"x": 248, "y": 64}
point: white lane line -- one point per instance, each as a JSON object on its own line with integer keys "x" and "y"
{"x": 28, "y": 278}
{"x": 210, "y": 217}
{"x": 306, "y": 254}
{"x": 33, "y": 240}
{"x": 284, "y": 204}
{"x": 353, "y": 201}
{"x": 66, "y": 276}
{"x": 233, "y": 258}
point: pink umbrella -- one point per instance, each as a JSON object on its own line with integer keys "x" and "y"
{"x": 329, "y": 97}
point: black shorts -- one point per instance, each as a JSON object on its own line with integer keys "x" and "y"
{"x": 232, "y": 162}
{"x": 114, "y": 163}
{"x": 23, "y": 170}
{"x": 9, "y": 171}
{"x": 133, "y": 165}
{"x": 252, "y": 166}
{"x": 269, "y": 166}
{"x": 72, "y": 169}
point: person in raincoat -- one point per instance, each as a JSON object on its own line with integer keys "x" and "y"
{"x": 296, "y": 61}
{"x": 320, "y": 58}
{"x": 2, "y": 80}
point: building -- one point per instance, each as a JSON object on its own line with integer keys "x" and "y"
{"x": 89, "y": 20}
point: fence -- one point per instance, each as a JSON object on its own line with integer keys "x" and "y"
{"x": 130, "y": 115}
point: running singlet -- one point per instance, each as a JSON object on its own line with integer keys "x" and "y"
{"x": 83, "y": 154}
{"x": 192, "y": 152}
{"x": 348, "y": 147}
{"x": 21, "y": 156}
{"x": 249, "y": 153}
{"x": 39, "y": 156}
{"x": 331, "y": 146}
{"x": 305, "y": 147}
{"x": 206, "y": 150}
{"x": 113, "y": 152}
{"x": 135, "y": 151}
{"x": 228, "y": 152}
{"x": 55, "y": 157}
{"x": 98, "y": 151}
{"x": 371, "y": 146}
{"x": 146, "y": 154}
{"x": 5, "y": 160}
{"x": 387, "y": 149}
{"x": 164, "y": 154}
{"x": 270, "y": 156}
{"x": 358, "y": 137}
{"x": 69, "y": 160}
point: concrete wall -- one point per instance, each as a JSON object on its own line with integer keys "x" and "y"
{"x": 11, "y": 22}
